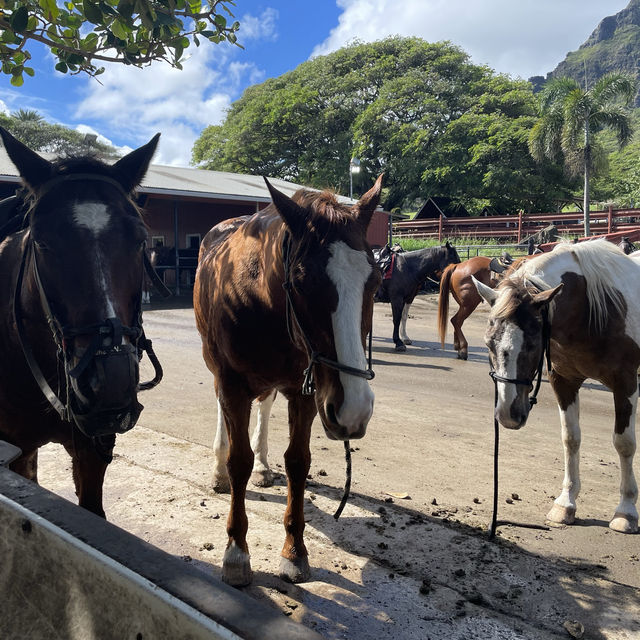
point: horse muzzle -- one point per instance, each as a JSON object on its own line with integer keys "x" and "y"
{"x": 104, "y": 396}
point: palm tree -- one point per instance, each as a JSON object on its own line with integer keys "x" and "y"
{"x": 27, "y": 115}
{"x": 570, "y": 118}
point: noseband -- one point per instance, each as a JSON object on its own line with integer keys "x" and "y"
{"x": 533, "y": 399}
{"x": 315, "y": 357}
{"x": 107, "y": 336}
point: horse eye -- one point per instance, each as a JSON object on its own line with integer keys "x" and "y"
{"x": 40, "y": 245}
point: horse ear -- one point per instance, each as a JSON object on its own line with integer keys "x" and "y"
{"x": 545, "y": 297}
{"x": 34, "y": 169}
{"x": 294, "y": 216}
{"x": 486, "y": 293}
{"x": 130, "y": 170}
{"x": 367, "y": 204}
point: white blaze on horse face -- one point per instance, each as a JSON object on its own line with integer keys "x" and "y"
{"x": 506, "y": 355}
{"x": 349, "y": 271}
{"x": 95, "y": 217}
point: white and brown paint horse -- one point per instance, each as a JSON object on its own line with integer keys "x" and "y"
{"x": 590, "y": 291}
{"x": 259, "y": 336}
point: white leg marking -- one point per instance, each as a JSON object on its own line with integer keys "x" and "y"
{"x": 625, "y": 444}
{"x": 259, "y": 440}
{"x": 571, "y": 437}
{"x": 403, "y": 325}
{"x": 349, "y": 271}
{"x": 221, "y": 453}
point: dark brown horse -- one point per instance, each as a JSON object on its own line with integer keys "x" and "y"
{"x": 457, "y": 281}
{"x": 70, "y": 312}
{"x": 285, "y": 302}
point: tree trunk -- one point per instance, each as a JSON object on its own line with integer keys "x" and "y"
{"x": 587, "y": 164}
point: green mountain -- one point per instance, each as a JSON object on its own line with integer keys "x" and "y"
{"x": 613, "y": 46}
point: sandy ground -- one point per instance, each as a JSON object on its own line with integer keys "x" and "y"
{"x": 414, "y": 567}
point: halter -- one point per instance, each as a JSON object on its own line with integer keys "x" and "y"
{"x": 315, "y": 357}
{"x": 546, "y": 351}
{"x": 111, "y": 328}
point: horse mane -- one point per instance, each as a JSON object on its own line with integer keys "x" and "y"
{"x": 602, "y": 264}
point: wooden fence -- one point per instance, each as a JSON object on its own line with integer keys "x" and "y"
{"x": 516, "y": 228}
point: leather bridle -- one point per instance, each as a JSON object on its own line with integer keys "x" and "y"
{"x": 315, "y": 357}
{"x": 107, "y": 336}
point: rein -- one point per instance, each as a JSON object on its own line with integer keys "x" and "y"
{"x": 308, "y": 385}
{"x": 111, "y": 328}
{"x": 533, "y": 399}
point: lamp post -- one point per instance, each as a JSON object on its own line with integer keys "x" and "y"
{"x": 354, "y": 167}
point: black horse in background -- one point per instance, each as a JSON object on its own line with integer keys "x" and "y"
{"x": 402, "y": 283}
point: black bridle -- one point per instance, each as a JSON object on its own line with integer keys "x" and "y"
{"x": 308, "y": 384}
{"x": 315, "y": 357}
{"x": 107, "y": 336}
{"x": 533, "y": 399}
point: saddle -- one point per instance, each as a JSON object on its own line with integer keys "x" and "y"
{"x": 385, "y": 259}
{"x": 501, "y": 264}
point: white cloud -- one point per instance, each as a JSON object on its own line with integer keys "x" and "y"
{"x": 520, "y": 37}
{"x": 262, "y": 27}
{"x": 3, "y": 108}
{"x": 133, "y": 104}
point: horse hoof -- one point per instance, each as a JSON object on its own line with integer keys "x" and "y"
{"x": 295, "y": 570}
{"x": 221, "y": 484}
{"x": 400, "y": 348}
{"x": 562, "y": 515}
{"x": 462, "y": 355}
{"x": 407, "y": 341}
{"x": 262, "y": 478}
{"x": 624, "y": 523}
{"x": 236, "y": 567}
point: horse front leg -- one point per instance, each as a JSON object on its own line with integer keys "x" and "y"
{"x": 294, "y": 565}
{"x": 564, "y": 507}
{"x": 625, "y": 518}
{"x": 90, "y": 459}
{"x": 26, "y": 466}
{"x": 403, "y": 324}
{"x": 397, "y": 307}
{"x": 262, "y": 476}
{"x": 236, "y": 409}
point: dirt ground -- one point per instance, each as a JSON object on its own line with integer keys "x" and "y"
{"x": 418, "y": 566}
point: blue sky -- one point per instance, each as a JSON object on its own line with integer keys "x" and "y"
{"x": 519, "y": 37}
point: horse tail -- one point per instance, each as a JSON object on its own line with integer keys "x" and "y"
{"x": 443, "y": 302}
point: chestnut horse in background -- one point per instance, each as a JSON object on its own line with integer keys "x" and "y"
{"x": 284, "y": 302}
{"x": 457, "y": 281}
{"x": 71, "y": 320}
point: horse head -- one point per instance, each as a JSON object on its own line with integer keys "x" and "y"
{"x": 81, "y": 277}
{"x": 331, "y": 278}
{"x": 516, "y": 338}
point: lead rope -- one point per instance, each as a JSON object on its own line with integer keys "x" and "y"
{"x": 533, "y": 399}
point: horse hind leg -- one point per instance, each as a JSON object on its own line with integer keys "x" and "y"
{"x": 220, "y": 480}
{"x": 460, "y": 343}
{"x": 403, "y": 324}
{"x": 262, "y": 476}
{"x": 26, "y": 466}
{"x": 625, "y": 519}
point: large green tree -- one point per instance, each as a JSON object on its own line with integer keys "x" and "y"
{"x": 571, "y": 118}
{"x": 32, "y": 129}
{"x": 84, "y": 34}
{"x": 419, "y": 111}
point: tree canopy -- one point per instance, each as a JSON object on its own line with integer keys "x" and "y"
{"x": 419, "y": 111}
{"x": 32, "y": 129}
{"x": 570, "y": 119}
{"x": 82, "y": 34}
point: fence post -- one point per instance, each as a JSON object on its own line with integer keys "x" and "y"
{"x": 519, "y": 226}
{"x": 610, "y": 219}
{"x": 440, "y": 228}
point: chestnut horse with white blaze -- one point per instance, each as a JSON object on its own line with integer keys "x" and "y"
{"x": 285, "y": 302}
{"x": 582, "y": 303}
